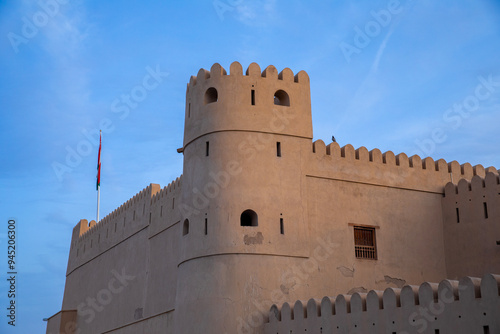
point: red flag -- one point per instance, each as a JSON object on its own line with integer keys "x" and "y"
{"x": 99, "y": 165}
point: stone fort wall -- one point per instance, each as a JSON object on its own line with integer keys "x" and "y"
{"x": 119, "y": 268}
{"x": 468, "y": 306}
{"x": 471, "y": 213}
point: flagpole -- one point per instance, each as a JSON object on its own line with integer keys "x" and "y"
{"x": 99, "y": 177}
{"x": 98, "y": 199}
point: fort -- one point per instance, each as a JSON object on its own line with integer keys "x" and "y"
{"x": 263, "y": 218}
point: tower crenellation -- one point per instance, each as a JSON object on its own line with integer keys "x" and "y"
{"x": 218, "y": 101}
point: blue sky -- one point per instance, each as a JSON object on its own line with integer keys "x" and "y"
{"x": 407, "y": 76}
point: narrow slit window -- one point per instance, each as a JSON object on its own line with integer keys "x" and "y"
{"x": 185, "y": 227}
{"x": 115, "y": 227}
{"x": 150, "y": 217}
{"x": 365, "y": 243}
{"x": 278, "y": 149}
{"x": 282, "y": 226}
{"x": 173, "y": 203}
{"x": 123, "y": 221}
{"x": 206, "y": 226}
{"x": 161, "y": 211}
{"x": 485, "y": 205}
{"x": 486, "y": 329}
{"x": 253, "y": 97}
{"x": 189, "y": 110}
{"x": 458, "y": 215}
{"x": 207, "y": 149}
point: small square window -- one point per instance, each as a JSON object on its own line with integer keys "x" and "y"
{"x": 364, "y": 243}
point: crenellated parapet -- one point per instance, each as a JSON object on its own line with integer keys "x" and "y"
{"x": 165, "y": 191}
{"x": 253, "y": 70}
{"x": 471, "y": 225}
{"x": 473, "y": 201}
{"x": 478, "y": 184}
{"x": 470, "y": 305}
{"x": 91, "y": 239}
{"x": 257, "y": 100}
{"x": 390, "y": 169}
{"x": 164, "y": 207}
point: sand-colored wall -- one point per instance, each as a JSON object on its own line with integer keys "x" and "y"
{"x": 471, "y": 305}
{"x": 471, "y": 238}
{"x": 63, "y": 322}
{"x": 122, "y": 272}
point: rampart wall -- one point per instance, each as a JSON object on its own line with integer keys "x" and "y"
{"x": 89, "y": 241}
{"x": 468, "y": 306}
{"x": 401, "y": 199}
{"x": 163, "y": 239}
{"x": 122, "y": 272}
{"x": 387, "y": 169}
{"x": 471, "y": 213}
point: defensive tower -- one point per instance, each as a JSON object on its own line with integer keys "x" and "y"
{"x": 243, "y": 138}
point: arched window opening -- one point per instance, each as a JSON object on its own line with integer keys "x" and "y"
{"x": 249, "y": 218}
{"x": 211, "y": 95}
{"x": 281, "y": 98}
{"x": 185, "y": 227}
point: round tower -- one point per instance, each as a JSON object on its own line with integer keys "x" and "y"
{"x": 243, "y": 217}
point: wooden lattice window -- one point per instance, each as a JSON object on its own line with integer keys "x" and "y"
{"x": 365, "y": 243}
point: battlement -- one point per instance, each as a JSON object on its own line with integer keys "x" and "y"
{"x": 348, "y": 152}
{"x": 477, "y": 184}
{"x": 464, "y": 306}
{"x": 91, "y": 239}
{"x": 423, "y": 174}
{"x": 257, "y": 101}
{"x": 253, "y": 70}
{"x": 172, "y": 186}
{"x": 164, "y": 207}
{"x": 471, "y": 220}
{"x": 146, "y": 193}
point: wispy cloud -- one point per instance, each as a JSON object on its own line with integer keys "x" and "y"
{"x": 381, "y": 49}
